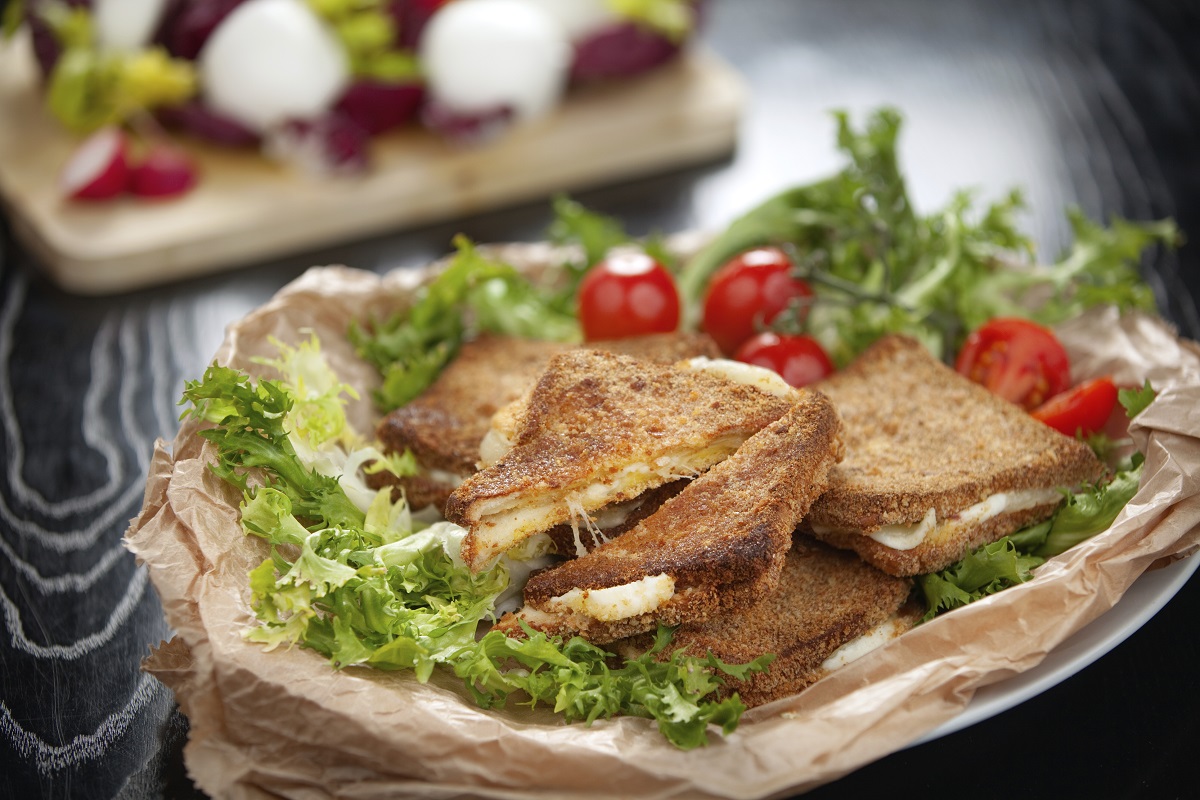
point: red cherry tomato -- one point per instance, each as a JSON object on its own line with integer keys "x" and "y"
{"x": 1017, "y": 359}
{"x": 627, "y": 294}
{"x": 1082, "y": 410}
{"x": 800, "y": 360}
{"x": 747, "y": 293}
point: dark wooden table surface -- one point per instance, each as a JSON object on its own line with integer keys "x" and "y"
{"x": 1089, "y": 103}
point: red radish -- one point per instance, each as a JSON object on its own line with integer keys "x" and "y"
{"x": 99, "y": 168}
{"x": 165, "y": 172}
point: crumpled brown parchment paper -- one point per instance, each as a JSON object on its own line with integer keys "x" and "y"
{"x": 284, "y": 724}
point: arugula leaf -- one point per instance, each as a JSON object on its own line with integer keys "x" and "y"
{"x": 367, "y": 33}
{"x": 472, "y": 294}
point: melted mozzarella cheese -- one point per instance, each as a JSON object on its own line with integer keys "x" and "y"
{"x": 906, "y": 537}
{"x": 617, "y": 602}
{"x": 855, "y": 649}
{"x": 504, "y": 522}
{"x": 761, "y": 378}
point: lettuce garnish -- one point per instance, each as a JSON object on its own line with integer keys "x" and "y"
{"x": 1011, "y": 560}
{"x": 364, "y": 584}
{"x": 879, "y": 267}
{"x": 473, "y": 294}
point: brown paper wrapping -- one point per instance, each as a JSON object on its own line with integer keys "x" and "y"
{"x": 283, "y": 723}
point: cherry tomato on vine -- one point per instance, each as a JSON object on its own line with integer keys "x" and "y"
{"x": 1083, "y": 409}
{"x": 1017, "y": 359}
{"x": 627, "y": 294}
{"x": 799, "y": 360}
{"x": 747, "y": 293}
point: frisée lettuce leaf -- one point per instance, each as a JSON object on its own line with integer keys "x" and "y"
{"x": 364, "y": 584}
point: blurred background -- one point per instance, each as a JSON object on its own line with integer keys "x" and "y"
{"x": 1087, "y": 104}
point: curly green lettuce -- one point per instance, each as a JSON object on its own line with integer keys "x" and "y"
{"x": 352, "y": 576}
{"x": 879, "y": 267}
{"x": 1011, "y": 560}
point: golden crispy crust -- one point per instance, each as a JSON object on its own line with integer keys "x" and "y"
{"x": 824, "y": 599}
{"x": 921, "y": 436}
{"x": 444, "y": 426}
{"x": 723, "y": 538}
{"x": 590, "y": 415}
{"x": 661, "y": 348}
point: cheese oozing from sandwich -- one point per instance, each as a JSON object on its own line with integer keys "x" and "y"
{"x": 858, "y": 647}
{"x": 617, "y": 602}
{"x": 907, "y": 536}
{"x": 761, "y": 378}
{"x": 508, "y": 520}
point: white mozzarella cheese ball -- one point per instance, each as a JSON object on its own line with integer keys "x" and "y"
{"x": 270, "y": 61}
{"x": 483, "y": 54}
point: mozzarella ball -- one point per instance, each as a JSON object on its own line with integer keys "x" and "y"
{"x": 271, "y": 61}
{"x": 484, "y": 54}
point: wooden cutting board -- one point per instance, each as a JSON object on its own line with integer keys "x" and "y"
{"x": 248, "y": 209}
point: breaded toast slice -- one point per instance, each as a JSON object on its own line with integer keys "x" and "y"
{"x": 717, "y": 546}
{"x": 830, "y": 607}
{"x": 445, "y": 425}
{"x": 935, "y": 465}
{"x": 601, "y": 428}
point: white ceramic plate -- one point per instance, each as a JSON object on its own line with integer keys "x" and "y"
{"x": 1142, "y": 601}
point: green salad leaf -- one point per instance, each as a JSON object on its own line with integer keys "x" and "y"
{"x": 1135, "y": 401}
{"x": 879, "y": 267}
{"x": 359, "y": 581}
{"x": 1011, "y": 560}
{"x": 472, "y": 294}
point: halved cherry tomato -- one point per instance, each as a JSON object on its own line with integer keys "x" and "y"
{"x": 627, "y": 294}
{"x": 800, "y": 360}
{"x": 747, "y": 293}
{"x": 1017, "y": 359}
{"x": 1082, "y": 410}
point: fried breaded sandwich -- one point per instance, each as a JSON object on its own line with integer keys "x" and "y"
{"x": 829, "y": 608}
{"x": 717, "y": 546}
{"x": 935, "y": 464}
{"x": 598, "y": 429}
{"x": 444, "y": 426}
